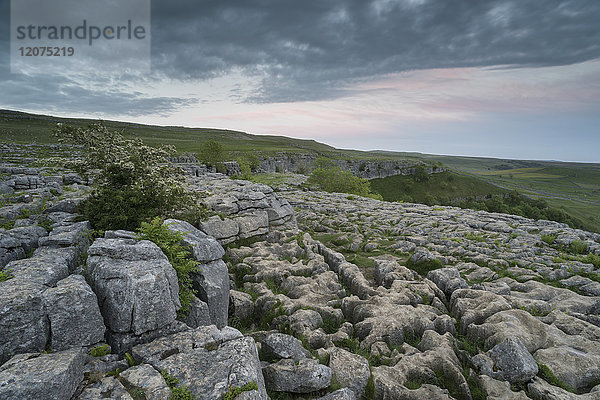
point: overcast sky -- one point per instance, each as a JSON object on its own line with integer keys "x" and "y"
{"x": 500, "y": 78}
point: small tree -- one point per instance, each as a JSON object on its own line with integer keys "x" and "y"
{"x": 132, "y": 182}
{"x": 212, "y": 154}
{"x": 420, "y": 174}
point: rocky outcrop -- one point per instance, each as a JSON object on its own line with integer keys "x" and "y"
{"x": 136, "y": 286}
{"x": 41, "y": 376}
{"x": 207, "y": 361}
{"x": 369, "y": 169}
{"x": 386, "y": 300}
{"x": 250, "y": 209}
{"x": 73, "y": 314}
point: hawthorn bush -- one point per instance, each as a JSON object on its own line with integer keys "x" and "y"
{"x": 133, "y": 182}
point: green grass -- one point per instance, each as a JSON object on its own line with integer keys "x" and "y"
{"x": 5, "y": 275}
{"x": 546, "y": 373}
{"x": 442, "y": 188}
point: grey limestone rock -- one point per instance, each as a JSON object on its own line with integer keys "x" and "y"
{"x": 28, "y": 236}
{"x": 73, "y": 313}
{"x": 23, "y": 323}
{"x": 206, "y": 360}
{"x": 212, "y": 285}
{"x": 241, "y": 305}
{"x": 204, "y": 248}
{"x": 42, "y": 376}
{"x": 305, "y": 376}
{"x": 75, "y": 234}
{"x": 447, "y": 279}
{"x": 105, "y": 388}
{"x": 253, "y": 224}
{"x": 350, "y": 370}
{"x": 279, "y": 345}
{"x": 225, "y": 231}
{"x": 199, "y": 314}
{"x": 512, "y": 361}
{"x": 39, "y": 269}
{"x": 149, "y": 380}
{"x": 136, "y": 286}
{"x": 341, "y": 394}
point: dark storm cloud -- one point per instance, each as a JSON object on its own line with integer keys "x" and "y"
{"x": 309, "y": 50}
{"x": 63, "y": 95}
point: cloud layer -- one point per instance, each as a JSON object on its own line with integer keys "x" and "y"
{"x": 313, "y": 51}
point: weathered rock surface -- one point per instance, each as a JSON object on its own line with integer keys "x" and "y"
{"x": 279, "y": 345}
{"x": 206, "y": 360}
{"x": 305, "y": 376}
{"x": 512, "y": 361}
{"x": 350, "y": 370}
{"x": 147, "y": 379}
{"x": 73, "y": 314}
{"x": 23, "y": 324}
{"x": 136, "y": 286}
{"x": 41, "y": 376}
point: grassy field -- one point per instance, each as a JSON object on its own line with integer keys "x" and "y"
{"x": 18, "y": 127}
{"x": 572, "y": 187}
{"x": 440, "y": 188}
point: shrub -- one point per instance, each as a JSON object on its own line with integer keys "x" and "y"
{"x": 134, "y": 182}
{"x": 331, "y": 178}
{"x": 578, "y": 247}
{"x": 212, "y": 154}
{"x": 233, "y": 391}
{"x": 169, "y": 242}
{"x": 548, "y": 239}
{"x": 5, "y": 275}
{"x": 420, "y": 174}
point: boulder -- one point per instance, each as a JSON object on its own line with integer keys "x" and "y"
{"x": 279, "y": 345}
{"x": 212, "y": 285}
{"x": 204, "y": 248}
{"x": 241, "y": 305}
{"x": 350, "y": 370}
{"x": 386, "y": 271}
{"x": 199, "y": 314}
{"x": 512, "y": 361}
{"x": 136, "y": 286}
{"x": 74, "y": 315}
{"x": 447, "y": 279}
{"x": 207, "y": 360}
{"x": 105, "y": 388}
{"x": 42, "y": 376}
{"x": 224, "y": 230}
{"x": 149, "y": 380}
{"x": 28, "y": 236}
{"x": 76, "y": 234}
{"x": 39, "y": 269}
{"x": 23, "y": 323}
{"x": 578, "y": 368}
{"x": 253, "y": 224}
{"x": 304, "y": 376}
{"x": 499, "y": 390}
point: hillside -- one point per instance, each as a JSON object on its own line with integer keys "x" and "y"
{"x": 571, "y": 187}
